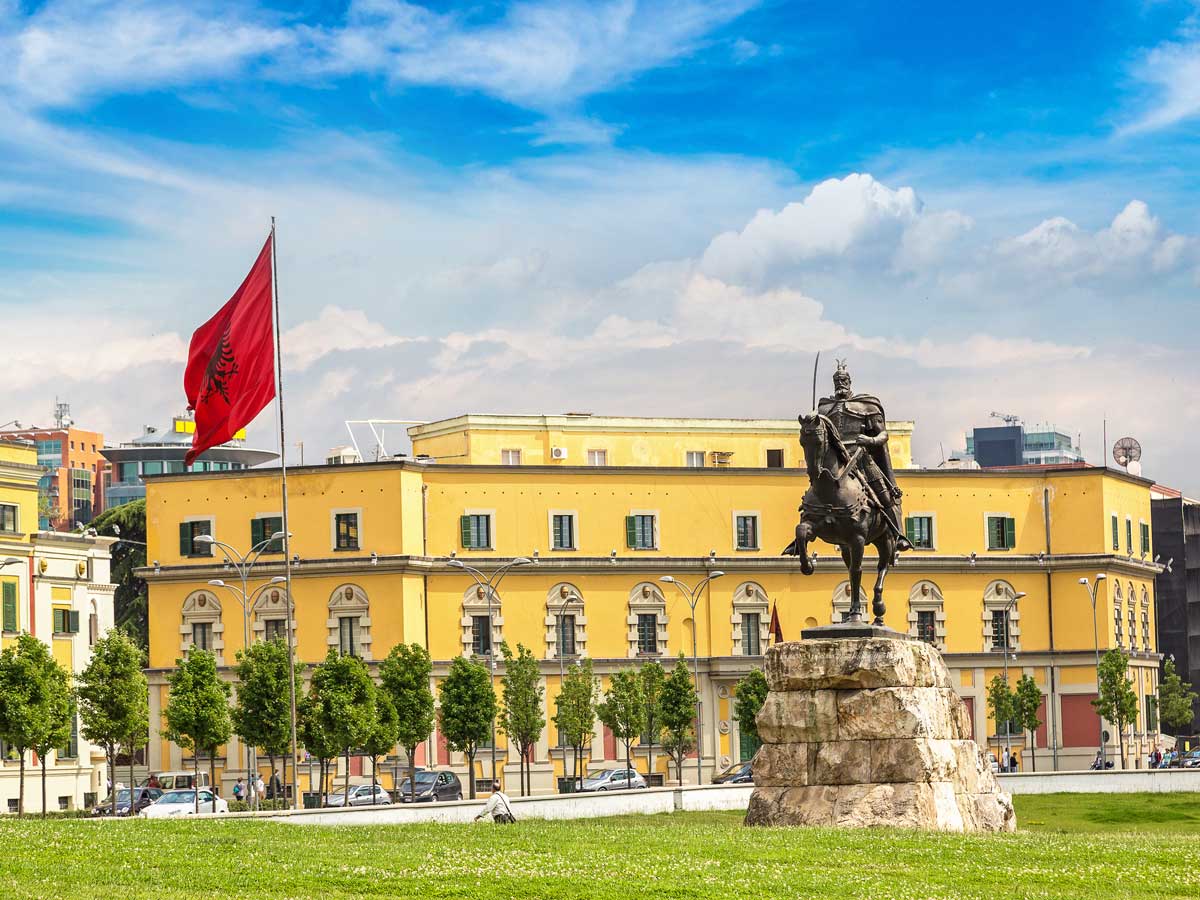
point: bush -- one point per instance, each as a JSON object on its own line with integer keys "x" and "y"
{"x": 243, "y": 806}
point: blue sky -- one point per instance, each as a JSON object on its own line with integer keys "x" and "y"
{"x": 530, "y": 207}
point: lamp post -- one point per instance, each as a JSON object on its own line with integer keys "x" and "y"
{"x": 1093, "y": 590}
{"x": 1008, "y": 646}
{"x": 485, "y": 584}
{"x": 693, "y": 597}
{"x": 243, "y": 563}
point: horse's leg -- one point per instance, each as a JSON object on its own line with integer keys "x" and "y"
{"x": 886, "y": 545}
{"x": 803, "y": 536}
{"x": 853, "y": 553}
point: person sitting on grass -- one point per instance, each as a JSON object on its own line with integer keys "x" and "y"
{"x": 498, "y": 810}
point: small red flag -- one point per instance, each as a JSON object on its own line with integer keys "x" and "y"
{"x": 776, "y": 630}
{"x": 230, "y": 373}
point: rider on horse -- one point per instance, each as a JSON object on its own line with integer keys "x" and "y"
{"x": 860, "y": 422}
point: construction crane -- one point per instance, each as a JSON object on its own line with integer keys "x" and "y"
{"x": 1008, "y": 418}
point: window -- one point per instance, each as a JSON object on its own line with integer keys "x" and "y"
{"x": 1145, "y": 630}
{"x": 1117, "y": 624}
{"x": 694, "y": 459}
{"x": 127, "y": 472}
{"x": 1116, "y": 533}
{"x": 750, "y": 634}
{"x": 345, "y": 527}
{"x": 8, "y": 590}
{"x": 566, "y": 636}
{"x": 597, "y": 457}
{"x": 66, "y": 621}
{"x": 174, "y": 466}
{"x": 152, "y": 467}
{"x": 261, "y": 530}
{"x": 774, "y": 459}
{"x": 919, "y": 531}
{"x": 49, "y": 454}
{"x": 481, "y": 640}
{"x": 202, "y": 635}
{"x": 747, "y": 532}
{"x": 1000, "y": 631}
{"x": 647, "y": 634}
{"x": 1129, "y": 535}
{"x": 275, "y": 629}
{"x": 1001, "y": 533}
{"x": 71, "y": 749}
{"x": 188, "y": 532}
{"x": 640, "y": 532}
{"x": 348, "y": 635}
{"x": 1151, "y": 714}
{"x": 562, "y": 528}
{"x": 510, "y": 457}
{"x": 1145, "y": 533}
{"x": 8, "y": 517}
{"x": 476, "y": 531}
{"x": 927, "y": 626}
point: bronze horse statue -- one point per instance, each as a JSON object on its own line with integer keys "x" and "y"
{"x": 837, "y": 508}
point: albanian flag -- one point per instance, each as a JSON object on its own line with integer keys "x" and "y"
{"x": 230, "y": 373}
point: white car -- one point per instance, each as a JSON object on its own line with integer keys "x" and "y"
{"x": 183, "y": 803}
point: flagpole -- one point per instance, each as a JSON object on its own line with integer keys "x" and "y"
{"x": 287, "y": 548}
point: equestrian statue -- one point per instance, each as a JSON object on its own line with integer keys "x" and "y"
{"x": 852, "y": 499}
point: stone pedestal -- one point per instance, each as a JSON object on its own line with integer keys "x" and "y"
{"x": 862, "y": 732}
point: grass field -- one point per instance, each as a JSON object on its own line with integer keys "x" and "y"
{"x": 1070, "y": 846}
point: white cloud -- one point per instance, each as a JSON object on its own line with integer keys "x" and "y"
{"x": 1171, "y": 71}
{"x": 335, "y": 330}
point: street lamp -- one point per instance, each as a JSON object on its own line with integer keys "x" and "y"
{"x": 693, "y": 597}
{"x": 10, "y": 561}
{"x": 243, "y": 563}
{"x": 485, "y": 583}
{"x": 1007, "y": 646}
{"x": 1092, "y": 590}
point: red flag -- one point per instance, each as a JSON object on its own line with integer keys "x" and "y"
{"x": 230, "y": 373}
{"x": 776, "y": 630}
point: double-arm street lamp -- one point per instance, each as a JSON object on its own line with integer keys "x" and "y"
{"x": 1093, "y": 590}
{"x": 693, "y": 597}
{"x": 490, "y": 584}
{"x": 1007, "y": 648}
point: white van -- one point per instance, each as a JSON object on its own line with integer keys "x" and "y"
{"x": 174, "y": 781}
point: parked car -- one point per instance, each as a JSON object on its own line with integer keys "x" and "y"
{"x": 360, "y": 795}
{"x": 432, "y": 787}
{"x": 143, "y": 797}
{"x": 613, "y": 780}
{"x": 183, "y": 803}
{"x": 175, "y": 781}
{"x": 1190, "y": 760}
{"x": 738, "y": 773}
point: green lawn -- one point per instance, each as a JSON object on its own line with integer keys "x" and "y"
{"x": 1078, "y": 847}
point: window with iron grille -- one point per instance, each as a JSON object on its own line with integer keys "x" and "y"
{"x": 566, "y": 636}
{"x": 346, "y": 531}
{"x": 751, "y": 634}
{"x": 1117, "y": 624}
{"x": 481, "y": 636}
{"x": 1000, "y": 634}
{"x": 647, "y": 632}
{"x": 927, "y": 626}
{"x": 747, "y": 532}
{"x": 348, "y": 635}
{"x": 202, "y": 635}
{"x": 274, "y": 629}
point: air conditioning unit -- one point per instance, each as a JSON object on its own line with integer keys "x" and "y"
{"x": 558, "y": 452}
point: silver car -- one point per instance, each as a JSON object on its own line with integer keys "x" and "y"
{"x": 613, "y": 780}
{"x": 360, "y": 795}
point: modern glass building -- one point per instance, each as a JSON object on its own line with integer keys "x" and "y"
{"x": 157, "y": 452}
{"x": 1014, "y": 445}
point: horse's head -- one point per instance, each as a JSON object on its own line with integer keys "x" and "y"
{"x": 814, "y": 439}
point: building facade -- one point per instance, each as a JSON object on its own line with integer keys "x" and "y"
{"x": 74, "y": 471}
{"x": 1176, "y": 530}
{"x": 996, "y": 573}
{"x": 156, "y": 452}
{"x": 55, "y": 586}
{"x": 1013, "y": 444}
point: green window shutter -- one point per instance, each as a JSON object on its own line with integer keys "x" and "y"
{"x": 631, "y": 531}
{"x": 464, "y": 524}
{"x": 1145, "y": 538}
{"x": 910, "y": 531}
{"x": 73, "y": 622}
{"x": 558, "y": 532}
{"x": 256, "y": 532}
{"x": 10, "y": 606}
{"x": 1129, "y": 535}
{"x": 185, "y": 538}
{"x": 1010, "y": 533}
{"x": 60, "y": 621}
{"x": 1116, "y": 534}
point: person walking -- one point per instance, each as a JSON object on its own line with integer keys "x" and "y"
{"x": 239, "y": 790}
{"x": 275, "y": 786}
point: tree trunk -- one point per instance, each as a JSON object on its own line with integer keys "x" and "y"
{"x": 628, "y": 744}
{"x": 1032, "y": 751}
{"x": 412, "y": 772}
{"x": 212, "y": 777}
{"x": 346, "y": 781}
{"x": 471, "y": 772}
{"x": 43, "y": 759}
{"x": 374, "y": 778}
{"x": 111, "y": 750}
{"x": 21, "y": 794}
{"x": 196, "y": 779}
{"x": 131, "y": 793}
{"x": 1121, "y": 744}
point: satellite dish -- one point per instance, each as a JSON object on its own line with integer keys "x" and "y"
{"x": 1127, "y": 450}
{"x": 1134, "y": 468}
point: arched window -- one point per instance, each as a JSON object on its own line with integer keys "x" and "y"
{"x": 270, "y": 615}
{"x": 566, "y": 625}
{"x": 201, "y": 628}
{"x": 477, "y": 636}
{"x": 647, "y": 621}
{"x": 751, "y": 620}
{"x": 1001, "y": 618}
{"x": 927, "y": 614}
{"x": 841, "y": 602}
{"x": 349, "y": 621}
{"x": 1145, "y": 619}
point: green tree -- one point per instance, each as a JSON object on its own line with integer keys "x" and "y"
{"x": 1027, "y": 700}
{"x": 58, "y": 701}
{"x": 522, "y": 718}
{"x": 575, "y": 717}
{"x": 113, "y": 698}
{"x": 467, "y": 707}
{"x": 748, "y": 698}
{"x": 405, "y": 674}
{"x": 1176, "y": 699}
{"x": 130, "y": 607}
{"x": 1000, "y": 703}
{"x": 382, "y": 739}
{"x": 34, "y": 703}
{"x": 653, "y": 677}
{"x": 1116, "y": 701}
{"x": 197, "y": 712}
{"x": 311, "y": 733}
{"x": 262, "y": 708}
{"x": 678, "y": 713}
{"x": 623, "y": 710}
{"x": 345, "y": 695}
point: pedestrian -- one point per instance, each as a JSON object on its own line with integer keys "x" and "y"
{"x": 498, "y": 810}
{"x": 153, "y": 782}
{"x": 239, "y": 790}
{"x": 275, "y": 788}
{"x": 260, "y": 789}
{"x": 1005, "y": 761}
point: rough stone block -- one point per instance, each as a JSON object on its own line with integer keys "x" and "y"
{"x": 798, "y": 717}
{"x": 913, "y": 759}
{"x": 865, "y": 663}
{"x": 782, "y": 765}
{"x": 961, "y": 720}
{"x": 885, "y": 805}
{"x": 792, "y": 806}
{"x": 842, "y": 762}
{"x": 994, "y": 812}
{"x": 894, "y": 712}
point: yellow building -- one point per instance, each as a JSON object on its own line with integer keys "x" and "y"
{"x": 373, "y": 543}
{"x": 56, "y": 587}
